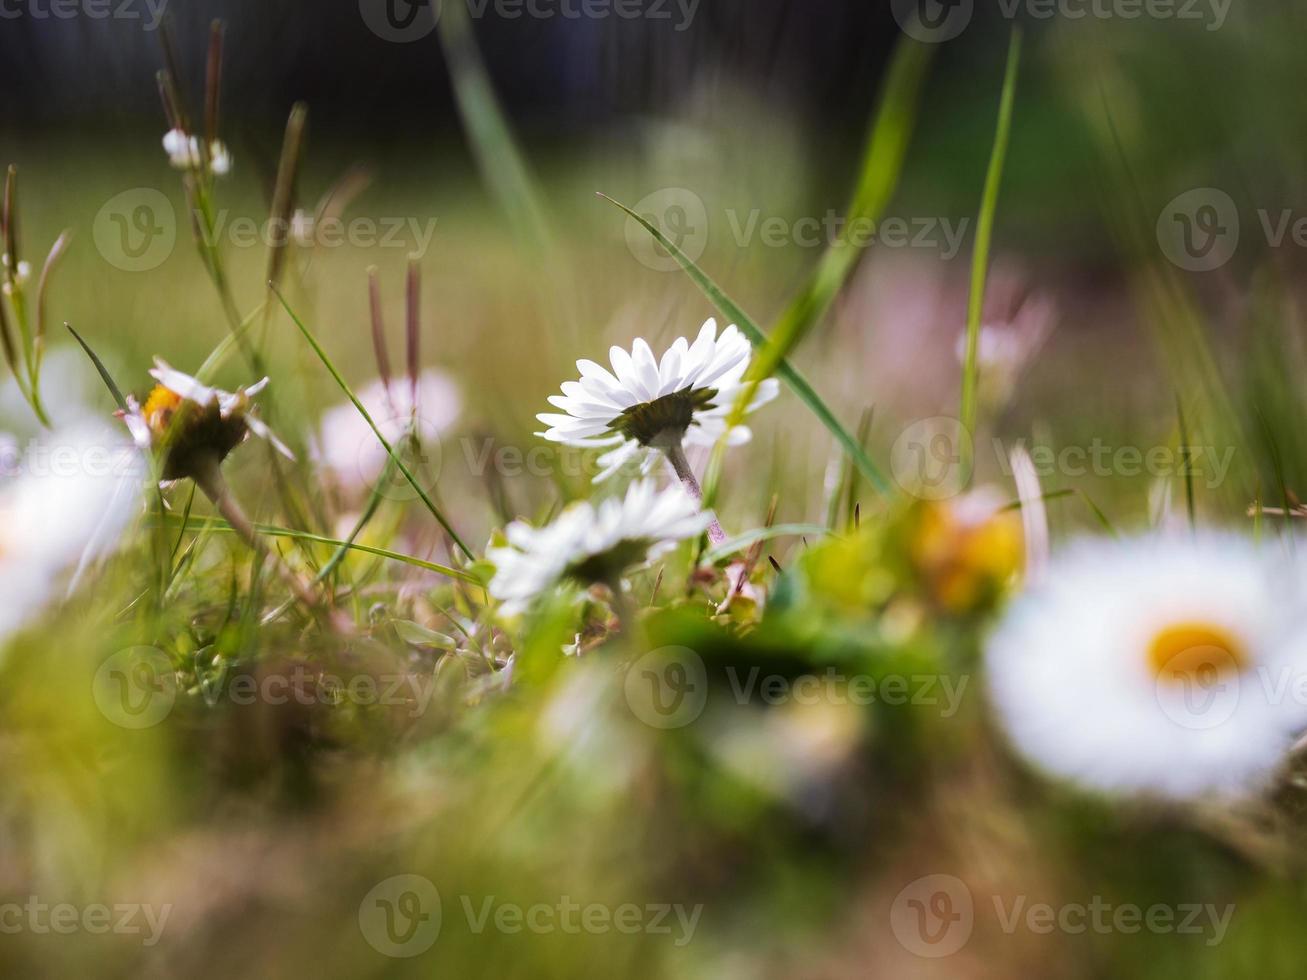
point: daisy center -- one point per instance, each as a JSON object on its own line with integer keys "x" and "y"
{"x": 603, "y": 566}
{"x": 1195, "y": 651}
{"x": 673, "y": 413}
{"x": 159, "y": 408}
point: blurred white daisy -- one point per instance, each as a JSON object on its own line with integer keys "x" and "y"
{"x": 644, "y": 404}
{"x": 184, "y": 152}
{"x": 589, "y": 545}
{"x": 65, "y": 501}
{"x": 1163, "y": 665}
{"x": 348, "y": 449}
{"x": 210, "y": 422}
{"x": 22, "y": 274}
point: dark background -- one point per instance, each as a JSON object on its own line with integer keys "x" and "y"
{"x": 561, "y": 74}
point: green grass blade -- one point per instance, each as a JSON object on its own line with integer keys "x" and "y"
{"x": 105, "y": 376}
{"x": 390, "y": 450}
{"x": 882, "y": 163}
{"x": 742, "y": 541}
{"x": 784, "y": 370}
{"x": 491, "y": 137}
{"x": 1184, "y": 464}
{"x": 272, "y": 531}
{"x": 985, "y": 232}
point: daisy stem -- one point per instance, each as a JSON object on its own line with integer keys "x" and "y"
{"x": 623, "y": 606}
{"x": 208, "y": 477}
{"x": 676, "y": 456}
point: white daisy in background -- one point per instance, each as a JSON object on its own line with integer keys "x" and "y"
{"x": 644, "y": 406}
{"x": 65, "y": 502}
{"x": 348, "y": 449}
{"x": 184, "y": 152}
{"x": 212, "y": 422}
{"x": 1162, "y": 665}
{"x": 588, "y": 545}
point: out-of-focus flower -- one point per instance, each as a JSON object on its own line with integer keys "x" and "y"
{"x": 184, "y": 152}
{"x": 192, "y": 424}
{"x": 966, "y": 549}
{"x": 22, "y": 274}
{"x": 589, "y": 545}
{"x": 1161, "y": 665}
{"x": 64, "y": 505}
{"x": 349, "y": 450}
{"x": 1005, "y": 348}
{"x": 644, "y": 404}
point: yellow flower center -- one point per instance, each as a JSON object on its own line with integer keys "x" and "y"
{"x": 1195, "y": 651}
{"x": 159, "y": 408}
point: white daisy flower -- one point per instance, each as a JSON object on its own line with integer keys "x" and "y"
{"x": 588, "y": 544}
{"x": 64, "y": 504}
{"x": 1163, "y": 665}
{"x": 645, "y": 404}
{"x": 213, "y": 424}
{"x": 348, "y": 449}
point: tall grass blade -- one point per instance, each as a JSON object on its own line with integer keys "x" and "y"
{"x": 390, "y": 450}
{"x": 985, "y": 232}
